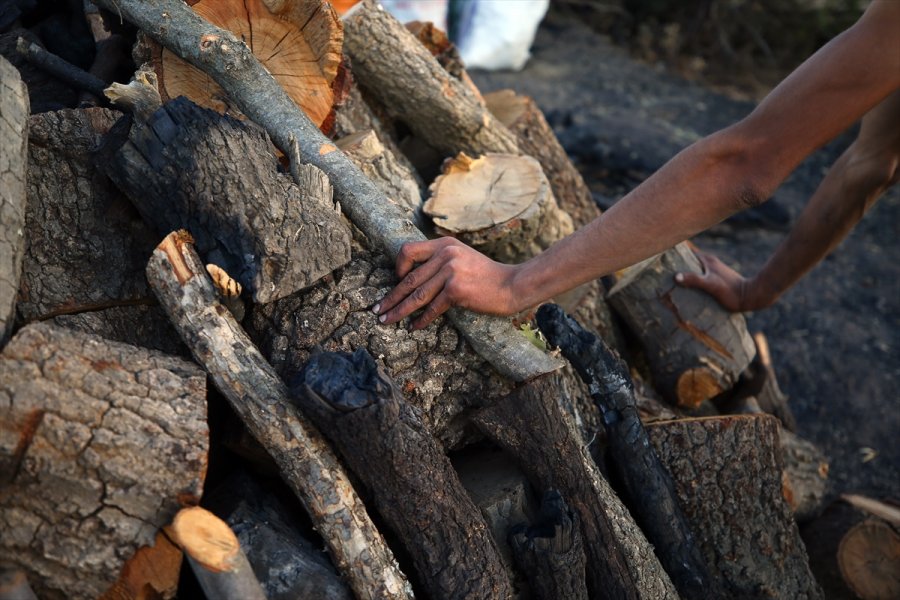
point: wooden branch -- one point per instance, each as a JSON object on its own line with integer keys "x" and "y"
{"x": 259, "y": 397}
{"x": 770, "y": 397}
{"x": 727, "y": 473}
{"x": 648, "y": 486}
{"x": 550, "y": 552}
{"x": 13, "y": 166}
{"x": 530, "y": 425}
{"x": 695, "y": 348}
{"x": 59, "y": 68}
{"x": 231, "y": 64}
{"x": 215, "y": 556}
{"x": 383, "y": 440}
{"x": 392, "y": 65}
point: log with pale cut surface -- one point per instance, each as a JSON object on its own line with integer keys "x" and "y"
{"x": 869, "y": 558}
{"x": 100, "y": 444}
{"x": 727, "y": 473}
{"x": 259, "y": 397}
{"x": 500, "y": 204}
{"x": 695, "y": 348}
{"x": 385, "y": 442}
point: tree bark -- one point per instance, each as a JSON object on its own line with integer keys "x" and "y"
{"x": 189, "y": 167}
{"x": 695, "y": 348}
{"x": 386, "y": 444}
{"x": 535, "y": 138}
{"x": 257, "y": 94}
{"x": 259, "y": 397}
{"x": 392, "y": 65}
{"x": 13, "y": 165}
{"x": 727, "y": 473}
{"x": 529, "y": 424}
{"x": 215, "y": 556}
{"x": 100, "y": 444}
{"x": 649, "y": 489}
{"x": 550, "y": 552}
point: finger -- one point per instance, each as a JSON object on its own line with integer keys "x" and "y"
{"x": 438, "y": 306}
{"x": 416, "y": 252}
{"x": 419, "y": 297}
{"x": 408, "y": 285}
{"x": 691, "y": 280}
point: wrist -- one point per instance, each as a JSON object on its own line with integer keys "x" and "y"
{"x": 757, "y": 293}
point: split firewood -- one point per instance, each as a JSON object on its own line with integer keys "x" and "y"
{"x": 191, "y": 167}
{"x": 727, "y": 473}
{"x": 14, "y": 586}
{"x": 695, "y": 348}
{"x": 770, "y": 397}
{"x": 260, "y": 97}
{"x": 500, "y": 204}
{"x": 530, "y": 425}
{"x": 13, "y": 167}
{"x": 550, "y": 551}
{"x": 215, "y": 556}
{"x": 100, "y": 444}
{"x": 649, "y": 488}
{"x": 259, "y": 397}
{"x": 297, "y": 41}
{"x": 445, "y": 51}
{"x": 535, "y": 138}
{"x": 386, "y": 444}
{"x": 152, "y": 572}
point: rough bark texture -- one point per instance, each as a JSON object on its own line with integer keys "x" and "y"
{"x": 231, "y": 64}
{"x": 530, "y": 425}
{"x": 259, "y": 398}
{"x": 101, "y": 444}
{"x": 86, "y": 247}
{"x": 189, "y": 167}
{"x": 392, "y": 65}
{"x": 695, "y": 348}
{"x": 648, "y": 486}
{"x": 386, "y": 444}
{"x": 151, "y": 572}
{"x": 535, "y": 138}
{"x": 13, "y": 159}
{"x": 727, "y": 473}
{"x": 550, "y": 552}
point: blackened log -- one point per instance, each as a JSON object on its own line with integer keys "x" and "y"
{"x": 649, "y": 489}
{"x": 550, "y": 551}
{"x": 45, "y": 92}
{"x": 386, "y": 444}
{"x": 259, "y": 397}
{"x": 13, "y": 161}
{"x": 59, "y": 68}
{"x": 530, "y": 425}
{"x": 231, "y": 64}
{"x": 190, "y": 167}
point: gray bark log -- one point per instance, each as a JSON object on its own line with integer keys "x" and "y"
{"x": 259, "y": 397}
{"x": 100, "y": 444}
{"x": 231, "y": 64}
{"x": 727, "y": 473}
{"x": 530, "y": 425}
{"x": 190, "y": 167}
{"x": 13, "y": 159}
{"x": 695, "y": 348}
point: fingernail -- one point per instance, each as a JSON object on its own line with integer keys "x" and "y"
{"x": 382, "y": 318}
{"x": 376, "y": 308}
{"x": 679, "y": 277}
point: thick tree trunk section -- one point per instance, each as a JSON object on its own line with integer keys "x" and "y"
{"x": 869, "y": 558}
{"x": 386, "y": 444}
{"x": 530, "y": 425}
{"x": 215, "y": 556}
{"x": 13, "y": 159}
{"x": 695, "y": 348}
{"x": 535, "y": 138}
{"x": 259, "y": 398}
{"x": 189, "y": 167}
{"x": 500, "y": 204}
{"x": 86, "y": 247}
{"x": 230, "y": 63}
{"x": 649, "y": 488}
{"x": 727, "y": 473}
{"x": 395, "y": 68}
{"x": 550, "y": 552}
{"x": 100, "y": 444}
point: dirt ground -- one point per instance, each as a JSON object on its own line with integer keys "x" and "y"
{"x": 835, "y": 336}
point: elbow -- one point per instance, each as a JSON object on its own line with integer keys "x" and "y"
{"x": 743, "y": 163}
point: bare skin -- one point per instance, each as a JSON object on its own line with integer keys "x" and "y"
{"x": 724, "y": 173}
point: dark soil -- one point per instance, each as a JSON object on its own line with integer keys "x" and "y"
{"x": 835, "y": 336}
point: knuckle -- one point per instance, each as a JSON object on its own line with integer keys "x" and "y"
{"x": 411, "y": 281}
{"x": 419, "y": 296}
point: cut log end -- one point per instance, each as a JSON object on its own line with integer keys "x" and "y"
{"x": 869, "y": 559}
{"x": 696, "y": 385}
{"x": 206, "y": 538}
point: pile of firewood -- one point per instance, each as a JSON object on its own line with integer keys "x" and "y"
{"x": 231, "y": 216}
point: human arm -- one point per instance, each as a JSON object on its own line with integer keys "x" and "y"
{"x": 717, "y": 176}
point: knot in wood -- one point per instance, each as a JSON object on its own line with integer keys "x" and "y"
{"x": 208, "y": 40}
